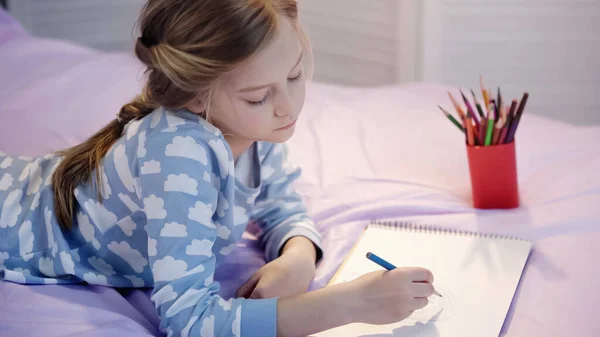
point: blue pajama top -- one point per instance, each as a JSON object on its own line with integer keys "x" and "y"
{"x": 170, "y": 209}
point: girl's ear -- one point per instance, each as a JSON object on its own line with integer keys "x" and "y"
{"x": 197, "y": 106}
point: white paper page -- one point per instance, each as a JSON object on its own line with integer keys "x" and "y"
{"x": 477, "y": 277}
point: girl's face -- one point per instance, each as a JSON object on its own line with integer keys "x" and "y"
{"x": 262, "y": 99}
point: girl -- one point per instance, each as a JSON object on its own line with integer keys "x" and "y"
{"x": 159, "y": 196}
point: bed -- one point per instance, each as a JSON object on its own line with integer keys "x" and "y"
{"x": 382, "y": 153}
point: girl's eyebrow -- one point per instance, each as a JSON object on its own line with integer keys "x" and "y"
{"x": 258, "y": 87}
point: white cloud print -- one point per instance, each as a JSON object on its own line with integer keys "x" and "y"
{"x": 222, "y": 231}
{"x": 106, "y": 190}
{"x": 186, "y": 147}
{"x": 6, "y": 163}
{"x": 6, "y": 182}
{"x": 141, "y": 142}
{"x": 133, "y": 257}
{"x": 227, "y": 249}
{"x": 11, "y": 209}
{"x": 132, "y": 128}
{"x": 151, "y": 167}
{"x": 102, "y": 217}
{"x": 202, "y": 213}
{"x": 181, "y": 183}
{"x": 222, "y": 205}
{"x": 35, "y": 203}
{"x": 164, "y": 295}
{"x": 168, "y": 269}
{"x": 67, "y": 263}
{"x": 185, "y": 332}
{"x": 101, "y": 265}
{"x": 49, "y": 177}
{"x": 236, "y": 326}
{"x": 199, "y": 247}
{"x": 187, "y": 299}
{"x": 173, "y": 230}
{"x": 153, "y": 206}
{"x": 226, "y": 305}
{"x": 208, "y": 326}
{"x": 152, "y": 247}
{"x": 87, "y": 229}
{"x": 222, "y": 156}
{"x": 46, "y": 266}
{"x": 25, "y": 172}
{"x": 122, "y": 166}
{"x": 127, "y": 225}
{"x": 25, "y": 238}
{"x": 93, "y": 278}
{"x": 128, "y": 202}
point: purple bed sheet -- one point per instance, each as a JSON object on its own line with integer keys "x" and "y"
{"x": 403, "y": 161}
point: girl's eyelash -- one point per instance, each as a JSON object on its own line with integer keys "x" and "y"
{"x": 295, "y": 78}
{"x": 261, "y": 102}
{"x": 264, "y": 100}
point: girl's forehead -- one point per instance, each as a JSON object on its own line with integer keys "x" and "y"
{"x": 272, "y": 62}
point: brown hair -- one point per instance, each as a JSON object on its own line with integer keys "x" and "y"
{"x": 186, "y": 46}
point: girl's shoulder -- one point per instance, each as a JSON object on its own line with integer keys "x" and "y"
{"x": 176, "y": 122}
{"x": 170, "y": 135}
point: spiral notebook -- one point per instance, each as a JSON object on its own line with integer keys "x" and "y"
{"x": 477, "y": 275}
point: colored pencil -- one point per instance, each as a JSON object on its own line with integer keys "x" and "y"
{"x": 476, "y": 135}
{"x": 459, "y": 110}
{"x": 503, "y": 113}
{"x": 508, "y": 123}
{"x": 388, "y": 266}
{"x": 499, "y": 126}
{"x": 470, "y": 108}
{"x": 497, "y": 132}
{"x": 490, "y": 129}
{"x": 452, "y": 119}
{"x": 470, "y": 135}
{"x": 381, "y": 262}
{"x": 482, "y": 128}
{"x": 477, "y": 104}
{"x": 486, "y": 98}
{"x": 513, "y": 129}
{"x": 465, "y": 119}
{"x": 487, "y": 123}
{"x": 499, "y": 105}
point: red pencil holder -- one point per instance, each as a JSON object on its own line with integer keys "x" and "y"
{"x": 493, "y": 172}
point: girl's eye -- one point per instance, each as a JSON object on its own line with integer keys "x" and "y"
{"x": 261, "y": 102}
{"x": 295, "y": 78}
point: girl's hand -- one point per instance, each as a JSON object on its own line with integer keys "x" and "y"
{"x": 386, "y": 297}
{"x": 288, "y": 275}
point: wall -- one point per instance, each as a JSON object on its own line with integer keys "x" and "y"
{"x": 550, "y": 48}
{"x": 106, "y": 24}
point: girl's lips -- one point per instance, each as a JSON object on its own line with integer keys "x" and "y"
{"x": 288, "y": 126}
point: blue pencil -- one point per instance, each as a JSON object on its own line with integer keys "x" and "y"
{"x": 383, "y": 263}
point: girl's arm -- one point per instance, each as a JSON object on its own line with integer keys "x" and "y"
{"x": 180, "y": 205}
{"x": 279, "y": 210}
{"x": 381, "y": 297}
{"x": 316, "y": 311}
{"x": 179, "y": 185}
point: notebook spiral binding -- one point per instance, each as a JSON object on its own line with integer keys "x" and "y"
{"x": 416, "y": 227}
